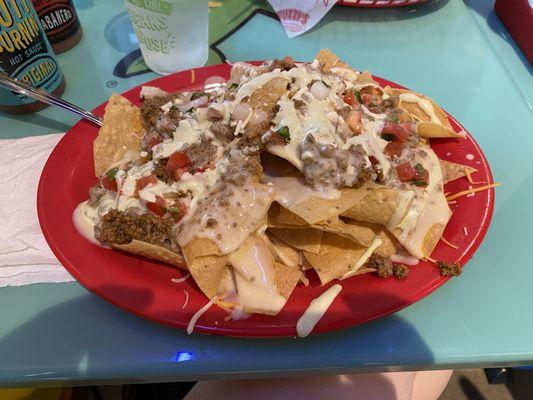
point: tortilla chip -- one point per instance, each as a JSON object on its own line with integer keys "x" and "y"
{"x": 416, "y": 112}
{"x": 380, "y": 204}
{"x": 283, "y": 252}
{"x": 432, "y": 238}
{"x": 433, "y": 130}
{"x": 303, "y": 239}
{"x": 121, "y": 133}
{"x": 387, "y": 247}
{"x": 329, "y": 60}
{"x": 263, "y": 101}
{"x": 153, "y": 252}
{"x": 354, "y": 230}
{"x": 278, "y": 216}
{"x": 452, "y": 171}
{"x": 286, "y": 278}
{"x": 337, "y": 255}
{"x": 315, "y": 209}
{"x": 205, "y": 264}
{"x": 366, "y": 77}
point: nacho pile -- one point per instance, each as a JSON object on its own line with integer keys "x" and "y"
{"x": 290, "y": 167}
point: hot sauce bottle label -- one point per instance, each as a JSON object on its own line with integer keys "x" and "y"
{"x": 58, "y": 18}
{"x": 25, "y": 53}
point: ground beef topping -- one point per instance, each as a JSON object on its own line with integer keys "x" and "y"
{"x": 239, "y": 171}
{"x": 385, "y": 268}
{"x": 223, "y": 131}
{"x": 400, "y": 271}
{"x": 201, "y": 154}
{"x": 382, "y": 265}
{"x": 151, "y": 107}
{"x": 162, "y": 173}
{"x": 285, "y": 65}
{"x": 448, "y": 268}
{"x": 118, "y": 227}
{"x": 325, "y": 165}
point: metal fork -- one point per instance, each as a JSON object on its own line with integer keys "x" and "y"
{"x": 18, "y": 86}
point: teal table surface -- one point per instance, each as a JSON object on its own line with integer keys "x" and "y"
{"x": 456, "y": 52}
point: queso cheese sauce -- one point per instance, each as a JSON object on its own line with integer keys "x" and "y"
{"x": 204, "y": 173}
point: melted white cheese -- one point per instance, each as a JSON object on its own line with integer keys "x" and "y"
{"x": 254, "y": 276}
{"x": 345, "y": 73}
{"x": 84, "y": 219}
{"x": 290, "y": 187}
{"x": 316, "y": 310}
{"x": 428, "y": 208}
{"x": 247, "y": 207}
{"x": 424, "y": 104}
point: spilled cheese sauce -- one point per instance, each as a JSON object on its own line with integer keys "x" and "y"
{"x": 84, "y": 221}
{"x": 316, "y": 311}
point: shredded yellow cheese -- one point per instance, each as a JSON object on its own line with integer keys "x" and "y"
{"x": 453, "y": 246}
{"x": 431, "y": 260}
{"x": 472, "y": 190}
{"x": 193, "y": 76}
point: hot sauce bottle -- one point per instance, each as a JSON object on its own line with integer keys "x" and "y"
{"x": 26, "y": 54}
{"x": 60, "y": 23}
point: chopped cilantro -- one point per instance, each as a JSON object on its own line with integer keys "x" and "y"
{"x": 419, "y": 182}
{"x": 234, "y": 85}
{"x": 388, "y": 137}
{"x": 419, "y": 169}
{"x": 284, "y": 133}
{"x": 111, "y": 174}
{"x": 358, "y": 97}
{"x": 394, "y": 119}
{"x": 196, "y": 95}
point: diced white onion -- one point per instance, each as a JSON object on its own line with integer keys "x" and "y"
{"x": 240, "y": 112}
{"x": 319, "y": 90}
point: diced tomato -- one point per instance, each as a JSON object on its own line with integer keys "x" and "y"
{"x": 158, "y": 207}
{"x": 354, "y": 122}
{"x": 154, "y": 140}
{"x": 109, "y": 184}
{"x": 373, "y": 160}
{"x": 367, "y": 99}
{"x": 178, "y": 211}
{"x": 398, "y": 132}
{"x": 145, "y": 181}
{"x": 406, "y": 172}
{"x": 394, "y": 149}
{"x": 109, "y": 181}
{"x": 177, "y": 160}
{"x": 178, "y": 172}
{"x": 349, "y": 98}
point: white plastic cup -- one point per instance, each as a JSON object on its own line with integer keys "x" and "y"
{"x": 172, "y": 34}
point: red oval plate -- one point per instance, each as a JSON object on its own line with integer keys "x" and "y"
{"x": 144, "y": 287}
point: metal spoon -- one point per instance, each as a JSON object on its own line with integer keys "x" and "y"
{"x": 18, "y": 86}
